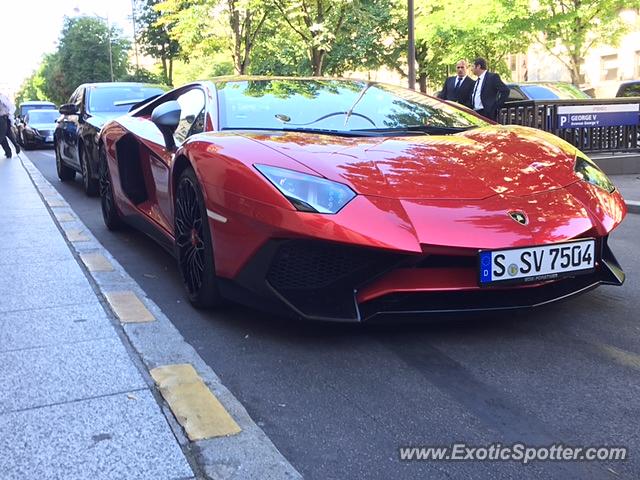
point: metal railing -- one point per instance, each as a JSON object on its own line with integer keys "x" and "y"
{"x": 543, "y": 114}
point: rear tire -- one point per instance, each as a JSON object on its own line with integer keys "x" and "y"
{"x": 65, "y": 173}
{"x": 90, "y": 184}
{"x": 194, "y": 248}
{"x": 110, "y": 215}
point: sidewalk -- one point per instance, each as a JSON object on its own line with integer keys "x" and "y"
{"x": 96, "y": 381}
{"x": 74, "y": 402}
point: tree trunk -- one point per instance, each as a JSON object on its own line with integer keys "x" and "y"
{"x": 575, "y": 62}
{"x": 165, "y": 74}
{"x": 317, "y": 61}
{"x": 170, "y": 76}
{"x": 422, "y": 81}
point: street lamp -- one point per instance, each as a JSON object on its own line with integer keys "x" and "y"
{"x": 412, "y": 47}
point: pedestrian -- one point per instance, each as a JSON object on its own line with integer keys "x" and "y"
{"x": 6, "y": 121}
{"x": 489, "y": 92}
{"x": 459, "y": 87}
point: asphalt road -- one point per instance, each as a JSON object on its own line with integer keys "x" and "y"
{"x": 339, "y": 400}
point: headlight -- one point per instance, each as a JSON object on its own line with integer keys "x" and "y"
{"x": 308, "y": 193}
{"x": 590, "y": 172}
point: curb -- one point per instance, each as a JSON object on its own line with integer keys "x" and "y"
{"x": 249, "y": 454}
{"x": 633, "y": 206}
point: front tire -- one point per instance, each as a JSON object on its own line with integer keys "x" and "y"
{"x": 194, "y": 248}
{"x": 110, "y": 214}
{"x": 65, "y": 173}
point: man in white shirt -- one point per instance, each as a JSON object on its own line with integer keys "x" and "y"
{"x": 6, "y": 120}
{"x": 489, "y": 92}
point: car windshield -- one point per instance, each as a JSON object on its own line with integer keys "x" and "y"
{"x": 560, "y": 91}
{"x": 335, "y": 106}
{"x": 115, "y": 99}
{"x": 43, "y": 116}
{"x": 629, "y": 90}
{"x": 24, "y": 109}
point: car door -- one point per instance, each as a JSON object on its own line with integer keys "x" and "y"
{"x": 69, "y": 127}
{"x": 192, "y": 121}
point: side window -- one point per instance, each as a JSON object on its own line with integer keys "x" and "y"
{"x": 78, "y": 100}
{"x": 515, "y": 95}
{"x": 192, "y": 104}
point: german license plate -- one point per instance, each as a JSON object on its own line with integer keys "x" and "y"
{"x": 531, "y": 264}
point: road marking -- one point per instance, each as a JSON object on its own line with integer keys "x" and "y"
{"x": 216, "y": 216}
{"x": 623, "y": 357}
{"x": 74, "y": 235}
{"x": 96, "y": 262}
{"x": 56, "y": 203}
{"x": 128, "y": 307}
{"x": 195, "y": 407}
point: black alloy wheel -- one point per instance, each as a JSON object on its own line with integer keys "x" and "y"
{"x": 89, "y": 184}
{"x": 110, "y": 214}
{"x": 194, "y": 249}
{"x": 65, "y": 173}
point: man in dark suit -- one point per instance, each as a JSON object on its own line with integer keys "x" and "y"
{"x": 459, "y": 87}
{"x": 489, "y": 92}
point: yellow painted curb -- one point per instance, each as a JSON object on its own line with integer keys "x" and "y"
{"x": 56, "y": 203}
{"x": 65, "y": 217}
{"x": 195, "y": 407}
{"x": 76, "y": 236}
{"x": 96, "y": 262}
{"x": 128, "y": 307}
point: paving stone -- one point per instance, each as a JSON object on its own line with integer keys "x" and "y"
{"x": 54, "y": 326}
{"x": 123, "y": 436}
{"x": 64, "y": 373}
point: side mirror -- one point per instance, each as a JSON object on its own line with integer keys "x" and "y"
{"x": 68, "y": 109}
{"x": 166, "y": 117}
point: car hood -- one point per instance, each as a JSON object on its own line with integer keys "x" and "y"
{"x": 99, "y": 119}
{"x": 474, "y": 164}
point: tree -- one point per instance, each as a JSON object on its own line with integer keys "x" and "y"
{"x": 205, "y": 27}
{"x": 33, "y": 87}
{"x": 496, "y": 29}
{"x": 83, "y": 56}
{"x": 153, "y": 37}
{"x": 576, "y": 26}
{"x": 353, "y": 30}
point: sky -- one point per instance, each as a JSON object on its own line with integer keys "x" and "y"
{"x": 31, "y": 28}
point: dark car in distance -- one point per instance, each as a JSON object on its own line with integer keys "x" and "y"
{"x": 26, "y": 107}
{"x": 37, "y": 127}
{"x": 629, "y": 89}
{"x": 89, "y": 108}
{"x": 545, "y": 91}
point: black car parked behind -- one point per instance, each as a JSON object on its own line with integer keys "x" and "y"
{"x": 89, "y": 108}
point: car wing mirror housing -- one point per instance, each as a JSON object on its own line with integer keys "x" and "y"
{"x": 166, "y": 117}
{"x": 68, "y": 109}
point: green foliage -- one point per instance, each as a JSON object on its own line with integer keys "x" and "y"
{"x": 32, "y": 88}
{"x": 201, "y": 68}
{"x": 578, "y": 26}
{"x": 83, "y": 56}
{"x": 446, "y": 33}
{"x": 340, "y": 35}
{"x": 153, "y": 37}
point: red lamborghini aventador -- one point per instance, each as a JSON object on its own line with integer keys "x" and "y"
{"x": 349, "y": 200}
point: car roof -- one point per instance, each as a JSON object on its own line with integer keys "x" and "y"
{"x": 120, "y": 84}
{"x": 36, "y": 102}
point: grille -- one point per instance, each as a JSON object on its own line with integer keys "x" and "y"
{"x": 301, "y": 265}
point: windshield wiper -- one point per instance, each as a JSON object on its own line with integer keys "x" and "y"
{"x": 349, "y": 112}
{"x": 426, "y": 129}
{"x": 322, "y": 131}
